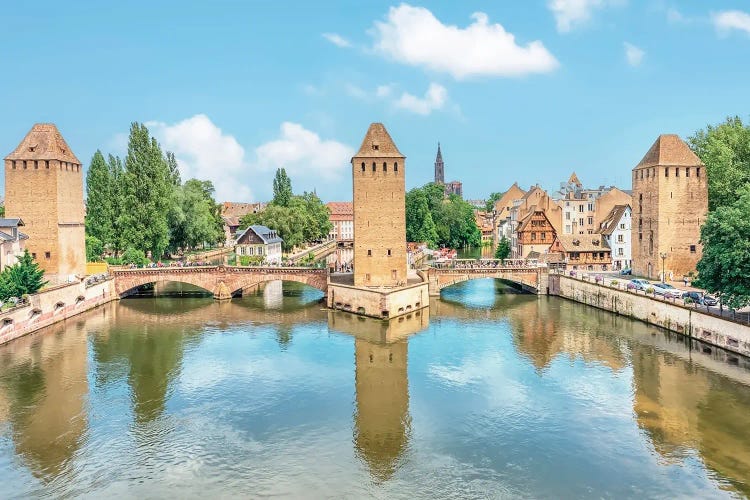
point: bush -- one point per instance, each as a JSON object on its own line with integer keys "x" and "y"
{"x": 649, "y": 290}
{"x": 114, "y": 261}
{"x": 613, "y": 283}
{"x": 250, "y": 260}
{"x": 134, "y": 256}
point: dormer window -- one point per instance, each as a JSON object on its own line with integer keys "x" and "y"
{"x": 375, "y": 147}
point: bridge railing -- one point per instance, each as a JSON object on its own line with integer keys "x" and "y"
{"x": 210, "y": 267}
{"x": 487, "y": 264}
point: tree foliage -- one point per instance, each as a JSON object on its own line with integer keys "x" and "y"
{"x": 725, "y": 150}
{"x": 503, "y": 249}
{"x": 24, "y": 277}
{"x": 445, "y": 221}
{"x": 490, "y": 203}
{"x": 100, "y": 207}
{"x": 724, "y": 268}
{"x": 282, "y": 188}
{"x": 94, "y": 249}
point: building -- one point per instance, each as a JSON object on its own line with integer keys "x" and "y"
{"x": 587, "y": 252}
{"x": 439, "y": 167}
{"x": 670, "y": 202}
{"x": 232, "y": 212}
{"x": 502, "y": 210}
{"x": 535, "y": 234}
{"x": 379, "y": 211}
{"x": 44, "y": 186}
{"x": 12, "y": 241}
{"x": 615, "y": 230}
{"x": 259, "y": 241}
{"x": 454, "y": 187}
{"x": 342, "y": 219}
{"x": 534, "y": 200}
{"x": 485, "y": 221}
{"x": 585, "y": 209}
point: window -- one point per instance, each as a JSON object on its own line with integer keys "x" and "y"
{"x": 375, "y": 147}
{"x": 620, "y": 252}
{"x": 622, "y": 226}
{"x": 369, "y": 253}
{"x": 47, "y": 255}
{"x": 641, "y": 174}
{"x": 367, "y": 277}
{"x": 363, "y": 166}
{"x": 647, "y": 172}
{"x": 395, "y": 167}
{"x": 687, "y": 172}
{"x": 666, "y": 171}
{"x": 698, "y": 172}
{"x": 567, "y": 215}
{"x": 591, "y": 207}
{"x": 394, "y": 274}
{"x": 580, "y": 221}
{"x": 677, "y": 171}
{"x": 590, "y": 220}
{"x": 692, "y": 248}
{"x": 580, "y": 208}
{"x": 373, "y": 166}
{"x": 620, "y": 238}
{"x": 568, "y": 229}
{"x": 533, "y": 236}
{"x": 33, "y": 255}
{"x": 385, "y": 167}
{"x": 389, "y": 252}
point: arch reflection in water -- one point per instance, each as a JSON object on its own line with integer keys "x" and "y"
{"x": 382, "y": 424}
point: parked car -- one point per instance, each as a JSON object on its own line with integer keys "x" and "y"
{"x": 696, "y": 297}
{"x": 708, "y": 300}
{"x": 669, "y": 291}
{"x": 639, "y": 284}
{"x": 626, "y": 272}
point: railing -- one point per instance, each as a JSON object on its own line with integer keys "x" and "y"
{"x": 201, "y": 268}
{"x": 468, "y": 264}
{"x": 624, "y": 284}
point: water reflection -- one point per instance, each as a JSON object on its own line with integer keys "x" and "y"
{"x": 253, "y": 393}
{"x": 382, "y": 424}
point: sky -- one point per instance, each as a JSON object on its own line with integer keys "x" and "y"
{"x": 514, "y": 91}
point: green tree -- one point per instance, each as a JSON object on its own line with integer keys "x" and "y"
{"x": 724, "y": 268}
{"x": 419, "y": 224}
{"x": 174, "y": 171}
{"x": 147, "y": 194}
{"x": 100, "y": 210}
{"x": 94, "y": 249}
{"x": 116, "y": 172}
{"x": 24, "y": 277}
{"x": 490, "y": 203}
{"x": 282, "y": 188}
{"x": 503, "y": 249}
{"x": 2, "y": 210}
{"x": 725, "y": 150}
{"x": 134, "y": 256}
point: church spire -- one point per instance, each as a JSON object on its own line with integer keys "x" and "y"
{"x": 439, "y": 167}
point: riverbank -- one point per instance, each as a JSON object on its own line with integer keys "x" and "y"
{"x": 53, "y": 305}
{"x": 675, "y": 317}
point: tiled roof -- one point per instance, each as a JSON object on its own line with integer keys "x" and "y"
{"x": 609, "y": 224}
{"x": 670, "y": 150}
{"x": 583, "y": 243}
{"x": 378, "y": 144}
{"x": 43, "y": 142}
{"x": 268, "y": 236}
{"x": 11, "y": 222}
{"x": 341, "y": 207}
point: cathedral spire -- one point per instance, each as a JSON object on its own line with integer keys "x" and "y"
{"x": 439, "y": 167}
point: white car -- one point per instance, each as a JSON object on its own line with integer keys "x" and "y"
{"x": 667, "y": 290}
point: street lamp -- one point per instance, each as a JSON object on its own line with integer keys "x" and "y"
{"x": 663, "y": 256}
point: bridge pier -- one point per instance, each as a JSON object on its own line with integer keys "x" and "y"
{"x": 222, "y": 292}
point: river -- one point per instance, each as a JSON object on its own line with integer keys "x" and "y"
{"x": 490, "y": 395}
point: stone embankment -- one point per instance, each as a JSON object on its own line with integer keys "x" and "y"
{"x": 52, "y": 305}
{"x": 675, "y": 317}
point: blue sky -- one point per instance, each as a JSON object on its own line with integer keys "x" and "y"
{"x": 515, "y": 91}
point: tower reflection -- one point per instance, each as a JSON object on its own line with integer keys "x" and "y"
{"x": 382, "y": 424}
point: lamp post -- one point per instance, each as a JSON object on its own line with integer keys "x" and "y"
{"x": 663, "y": 256}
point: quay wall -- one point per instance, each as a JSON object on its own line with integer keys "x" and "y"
{"x": 53, "y": 305}
{"x": 675, "y": 317}
{"x": 378, "y": 303}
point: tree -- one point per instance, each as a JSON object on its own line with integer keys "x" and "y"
{"x": 100, "y": 210}
{"x": 94, "y": 249}
{"x": 419, "y": 224}
{"x": 116, "y": 172}
{"x": 147, "y": 194}
{"x": 490, "y": 203}
{"x": 282, "y": 188}
{"x": 24, "y": 277}
{"x": 725, "y": 150}
{"x": 134, "y": 256}
{"x": 724, "y": 268}
{"x": 503, "y": 249}
{"x": 174, "y": 171}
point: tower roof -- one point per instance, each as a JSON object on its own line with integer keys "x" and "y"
{"x": 43, "y": 142}
{"x": 378, "y": 144}
{"x": 439, "y": 157}
{"x": 670, "y": 150}
{"x": 574, "y": 180}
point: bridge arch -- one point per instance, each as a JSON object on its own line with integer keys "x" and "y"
{"x": 127, "y": 287}
{"x": 247, "y": 281}
{"x": 527, "y": 278}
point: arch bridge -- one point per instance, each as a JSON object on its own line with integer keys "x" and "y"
{"x": 530, "y": 277}
{"x": 222, "y": 281}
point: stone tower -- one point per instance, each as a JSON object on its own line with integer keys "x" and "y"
{"x": 44, "y": 186}
{"x": 439, "y": 167}
{"x": 379, "y": 211}
{"x": 670, "y": 202}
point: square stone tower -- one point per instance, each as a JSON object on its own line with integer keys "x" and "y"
{"x": 670, "y": 203}
{"x": 44, "y": 186}
{"x": 379, "y": 211}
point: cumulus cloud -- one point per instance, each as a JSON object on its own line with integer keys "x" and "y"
{"x": 434, "y": 99}
{"x": 304, "y": 154}
{"x": 572, "y": 13}
{"x": 414, "y": 36}
{"x": 206, "y": 152}
{"x": 633, "y": 54}
{"x": 337, "y": 40}
{"x": 730, "y": 20}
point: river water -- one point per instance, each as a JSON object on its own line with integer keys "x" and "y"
{"x": 490, "y": 395}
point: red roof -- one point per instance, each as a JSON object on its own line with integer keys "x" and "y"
{"x": 341, "y": 210}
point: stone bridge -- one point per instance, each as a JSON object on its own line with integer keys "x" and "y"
{"x": 222, "y": 281}
{"x": 532, "y": 279}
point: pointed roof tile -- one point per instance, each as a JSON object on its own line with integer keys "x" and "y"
{"x": 43, "y": 142}
{"x": 670, "y": 150}
{"x": 439, "y": 157}
{"x": 574, "y": 180}
{"x": 378, "y": 144}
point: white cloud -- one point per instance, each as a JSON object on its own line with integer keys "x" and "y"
{"x": 337, "y": 40}
{"x": 304, "y": 154}
{"x": 633, "y": 54}
{"x": 728, "y": 20}
{"x": 434, "y": 99}
{"x": 384, "y": 91}
{"x": 205, "y": 152}
{"x": 414, "y": 36}
{"x": 571, "y": 13}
